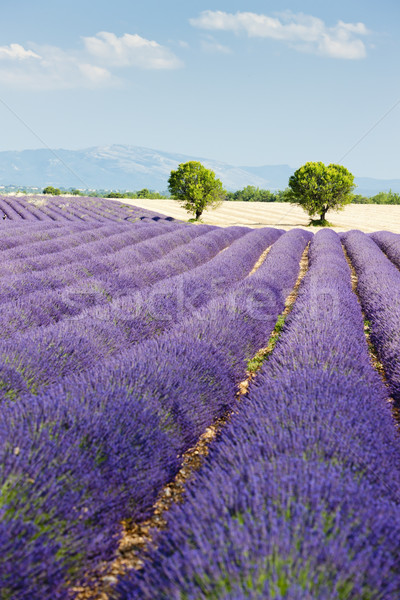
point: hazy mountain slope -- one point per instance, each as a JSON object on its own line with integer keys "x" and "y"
{"x": 134, "y": 167}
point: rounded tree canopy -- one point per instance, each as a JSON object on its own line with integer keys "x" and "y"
{"x": 115, "y": 195}
{"x": 195, "y": 187}
{"x": 144, "y": 193}
{"x": 51, "y": 190}
{"x": 318, "y": 188}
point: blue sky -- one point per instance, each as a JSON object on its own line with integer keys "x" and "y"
{"x": 248, "y": 83}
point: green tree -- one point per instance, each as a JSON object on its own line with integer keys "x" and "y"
{"x": 250, "y": 193}
{"x": 195, "y": 187}
{"x": 318, "y": 188}
{"x": 359, "y": 199}
{"x": 386, "y": 198}
{"x": 52, "y": 190}
{"x": 144, "y": 193}
{"x": 116, "y": 195}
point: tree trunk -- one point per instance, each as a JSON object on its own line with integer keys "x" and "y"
{"x": 198, "y": 213}
{"x": 323, "y": 213}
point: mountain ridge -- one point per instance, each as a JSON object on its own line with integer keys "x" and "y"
{"x": 128, "y": 167}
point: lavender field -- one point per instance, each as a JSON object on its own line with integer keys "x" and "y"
{"x": 125, "y": 336}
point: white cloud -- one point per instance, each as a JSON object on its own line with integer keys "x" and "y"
{"x": 93, "y": 66}
{"x": 55, "y": 69}
{"x": 16, "y": 52}
{"x": 211, "y": 45}
{"x": 302, "y": 32}
{"x": 130, "y": 51}
{"x": 97, "y": 75}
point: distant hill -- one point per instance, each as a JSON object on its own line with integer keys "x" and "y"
{"x": 133, "y": 168}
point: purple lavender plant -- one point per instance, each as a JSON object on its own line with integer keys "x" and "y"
{"x": 389, "y": 243}
{"x": 300, "y": 495}
{"x": 57, "y": 349}
{"x": 77, "y": 209}
{"x": 379, "y": 292}
{"x": 164, "y": 390}
{"x": 71, "y": 468}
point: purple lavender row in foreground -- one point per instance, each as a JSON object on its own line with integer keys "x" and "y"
{"x": 101, "y": 260}
{"x": 40, "y": 240}
{"x": 97, "y": 449}
{"x": 379, "y": 292}
{"x": 38, "y": 256}
{"x": 64, "y": 347}
{"x": 299, "y": 497}
{"x": 44, "y": 353}
{"x": 389, "y": 243}
{"x": 62, "y": 291}
{"x": 20, "y": 233}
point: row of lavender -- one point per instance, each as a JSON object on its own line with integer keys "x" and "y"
{"x": 36, "y": 352}
{"x": 254, "y": 304}
{"x": 60, "y": 284}
{"x": 299, "y": 497}
{"x": 35, "y": 240}
{"x": 95, "y": 448}
{"x": 379, "y": 291}
{"x": 28, "y": 421}
{"x": 13, "y": 209}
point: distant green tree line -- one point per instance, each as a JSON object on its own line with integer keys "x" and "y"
{"x": 250, "y": 193}
{"x": 144, "y": 193}
{"x": 381, "y": 198}
{"x": 59, "y": 192}
{"x": 254, "y": 194}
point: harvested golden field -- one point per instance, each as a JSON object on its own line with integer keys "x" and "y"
{"x": 365, "y": 217}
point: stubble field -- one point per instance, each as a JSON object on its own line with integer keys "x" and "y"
{"x": 365, "y": 217}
